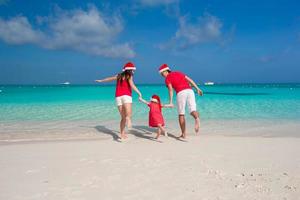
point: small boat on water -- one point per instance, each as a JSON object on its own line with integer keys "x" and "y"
{"x": 209, "y": 83}
{"x": 66, "y": 83}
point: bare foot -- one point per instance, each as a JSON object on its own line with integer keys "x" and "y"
{"x": 182, "y": 136}
{"x": 166, "y": 134}
{"x": 157, "y": 139}
{"x": 124, "y": 136}
{"x": 197, "y": 125}
{"x": 157, "y": 136}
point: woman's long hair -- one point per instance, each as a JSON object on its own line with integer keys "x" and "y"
{"x": 125, "y": 75}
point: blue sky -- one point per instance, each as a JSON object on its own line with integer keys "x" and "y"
{"x": 79, "y": 41}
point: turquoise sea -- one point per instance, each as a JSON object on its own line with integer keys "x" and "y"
{"x": 96, "y": 102}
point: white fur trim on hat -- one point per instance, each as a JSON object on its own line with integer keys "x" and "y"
{"x": 154, "y": 100}
{"x": 164, "y": 69}
{"x": 129, "y": 68}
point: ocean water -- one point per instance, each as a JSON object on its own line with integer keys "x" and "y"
{"x": 83, "y": 102}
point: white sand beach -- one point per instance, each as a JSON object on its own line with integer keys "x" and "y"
{"x": 209, "y": 166}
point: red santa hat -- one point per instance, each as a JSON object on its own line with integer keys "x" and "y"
{"x": 163, "y": 67}
{"x": 155, "y": 98}
{"x": 129, "y": 66}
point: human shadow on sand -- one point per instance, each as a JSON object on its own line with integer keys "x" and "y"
{"x": 115, "y": 134}
{"x": 143, "y": 132}
{"x": 112, "y": 133}
{"x": 148, "y": 130}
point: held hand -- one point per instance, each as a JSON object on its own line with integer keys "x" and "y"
{"x": 169, "y": 106}
{"x": 99, "y": 81}
{"x": 200, "y": 92}
{"x": 142, "y": 100}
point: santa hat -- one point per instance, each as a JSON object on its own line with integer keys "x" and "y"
{"x": 155, "y": 98}
{"x": 163, "y": 67}
{"x": 129, "y": 66}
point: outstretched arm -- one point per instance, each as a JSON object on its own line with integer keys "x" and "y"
{"x": 194, "y": 85}
{"x": 167, "y": 105}
{"x": 132, "y": 85}
{"x": 108, "y": 79}
{"x": 170, "y": 88}
{"x": 143, "y": 101}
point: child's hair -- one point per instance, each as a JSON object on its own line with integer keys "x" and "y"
{"x": 158, "y": 99}
{"x": 126, "y": 75}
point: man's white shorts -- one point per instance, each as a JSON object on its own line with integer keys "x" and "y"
{"x": 123, "y": 99}
{"x": 183, "y": 97}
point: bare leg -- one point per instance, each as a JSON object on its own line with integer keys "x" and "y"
{"x": 162, "y": 129}
{"x": 128, "y": 111}
{"x": 122, "y": 122}
{"x": 182, "y": 125}
{"x": 195, "y": 114}
{"x": 158, "y": 133}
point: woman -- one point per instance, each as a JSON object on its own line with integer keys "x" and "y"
{"x": 124, "y": 86}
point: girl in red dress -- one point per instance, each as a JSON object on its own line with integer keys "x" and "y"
{"x": 156, "y": 118}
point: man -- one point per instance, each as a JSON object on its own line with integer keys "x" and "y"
{"x": 185, "y": 95}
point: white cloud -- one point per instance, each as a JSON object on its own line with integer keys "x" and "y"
{"x": 207, "y": 29}
{"x": 84, "y": 31}
{"x": 152, "y": 3}
{"x": 19, "y": 31}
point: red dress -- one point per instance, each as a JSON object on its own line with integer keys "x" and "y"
{"x": 155, "y": 115}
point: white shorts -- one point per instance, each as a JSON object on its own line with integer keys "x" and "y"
{"x": 123, "y": 99}
{"x": 183, "y": 97}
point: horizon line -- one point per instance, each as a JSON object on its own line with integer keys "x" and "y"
{"x": 105, "y": 84}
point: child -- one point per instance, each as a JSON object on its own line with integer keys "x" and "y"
{"x": 155, "y": 115}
